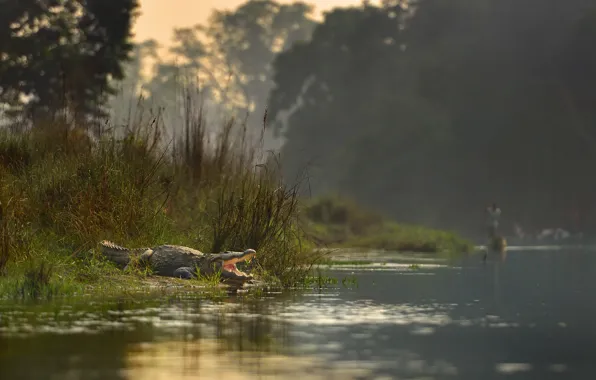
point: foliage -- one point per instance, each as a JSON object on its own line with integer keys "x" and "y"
{"x": 433, "y": 110}
{"x": 248, "y": 38}
{"x": 347, "y": 150}
{"x": 124, "y": 105}
{"x": 60, "y": 55}
{"x": 66, "y": 196}
{"x": 340, "y": 222}
{"x": 227, "y": 60}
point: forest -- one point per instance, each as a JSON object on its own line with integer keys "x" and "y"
{"x": 426, "y": 111}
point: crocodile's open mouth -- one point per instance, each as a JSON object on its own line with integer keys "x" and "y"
{"x": 230, "y": 260}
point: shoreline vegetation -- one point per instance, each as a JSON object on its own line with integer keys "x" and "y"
{"x": 337, "y": 222}
{"x": 63, "y": 190}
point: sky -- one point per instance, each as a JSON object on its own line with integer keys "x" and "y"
{"x": 159, "y": 17}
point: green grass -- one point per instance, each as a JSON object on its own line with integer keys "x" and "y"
{"x": 58, "y": 274}
{"x": 61, "y": 193}
{"x": 337, "y": 222}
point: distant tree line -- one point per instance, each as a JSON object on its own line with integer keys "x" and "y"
{"x": 226, "y": 63}
{"x": 425, "y": 109}
{"x": 430, "y": 110}
{"x": 77, "y": 57}
{"x": 58, "y": 57}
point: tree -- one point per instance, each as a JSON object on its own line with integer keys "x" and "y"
{"x": 230, "y": 57}
{"x": 501, "y": 86}
{"x": 470, "y": 102}
{"x": 59, "y": 55}
{"x": 178, "y": 80}
{"x": 247, "y": 40}
{"x": 350, "y": 92}
{"x": 129, "y": 90}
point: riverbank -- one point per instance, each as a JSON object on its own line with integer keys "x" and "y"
{"x": 63, "y": 190}
{"x": 56, "y": 278}
{"x": 337, "y": 222}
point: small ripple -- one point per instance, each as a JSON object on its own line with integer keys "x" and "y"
{"x": 420, "y": 330}
{"x": 329, "y": 313}
{"x": 402, "y": 268}
{"x": 363, "y": 312}
{"x": 511, "y": 368}
{"x": 559, "y": 368}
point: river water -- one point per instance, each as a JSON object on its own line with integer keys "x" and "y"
{"x": 531, "y": 316}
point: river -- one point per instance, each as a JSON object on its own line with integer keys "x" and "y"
{"x": 531, "y": 316}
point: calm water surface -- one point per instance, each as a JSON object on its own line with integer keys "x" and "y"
{"x": 530, "y": 317}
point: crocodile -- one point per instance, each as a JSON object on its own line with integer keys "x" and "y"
{"x": 181, "y": 262}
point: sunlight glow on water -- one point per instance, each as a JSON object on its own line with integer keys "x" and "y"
{"x": 207, "y": 359}
{"x": 160, "y": 361}
{"x": 472, "y": 321}
{"x": 330, "y": 312}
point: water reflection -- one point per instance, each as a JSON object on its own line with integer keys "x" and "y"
{"x": 207, "y": 359}
{"x": 524, "y": 318}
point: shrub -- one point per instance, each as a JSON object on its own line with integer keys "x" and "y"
{"x": 214, "y": 191}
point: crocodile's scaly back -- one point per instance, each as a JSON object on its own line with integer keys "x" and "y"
{"x": 166, "y": 259}
{"x": 118, "y": 254}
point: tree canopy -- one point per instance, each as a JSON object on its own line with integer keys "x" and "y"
{"x": 228, "y": 59}
{"x": 61, "y": 54}
{"x": 426, "y": 109}
{"x": 431, "y": 110}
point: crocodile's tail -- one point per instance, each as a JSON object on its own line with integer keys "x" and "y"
{"x": 116, "y": 253}
{"x": 109, "y": 245}
{"x": 106, "y": 244}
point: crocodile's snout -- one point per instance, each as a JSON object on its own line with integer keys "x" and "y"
{"x": 230, "y": 259}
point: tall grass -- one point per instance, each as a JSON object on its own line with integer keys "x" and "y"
{"x": 5, "y": 243}
{"x": 135, "y": 185}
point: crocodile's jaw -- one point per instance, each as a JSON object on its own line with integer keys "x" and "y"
{"x": 231, "y": 268}
{"x": 228, "y": 266}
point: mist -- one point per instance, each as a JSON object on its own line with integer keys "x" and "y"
{"x": 432, "y": 111}
{"x": 425, "y": 111}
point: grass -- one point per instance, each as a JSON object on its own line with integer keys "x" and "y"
{"x": 213, "y": 189}
{"x": 61, "y": 192}
{"x": 337, "y": 222}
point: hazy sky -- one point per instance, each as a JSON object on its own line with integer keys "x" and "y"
{"x": 159, "y": 17}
